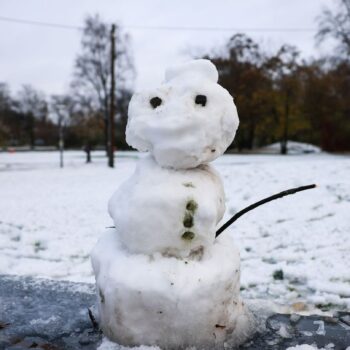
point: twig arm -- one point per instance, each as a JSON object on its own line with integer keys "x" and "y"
{"x": 257, "y": 204}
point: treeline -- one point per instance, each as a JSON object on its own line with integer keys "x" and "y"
{"x": 24, "y": 118}
{"x": 81, "y": 115}
{"x": 281, "y": 97}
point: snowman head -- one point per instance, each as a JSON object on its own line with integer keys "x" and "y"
{"x": 187, "y": 121}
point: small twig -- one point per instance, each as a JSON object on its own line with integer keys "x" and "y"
{"x": 257, "y": 204}
{"x": 93, "y": 320}
{"x": 110, "y": 227}
{"x": 4, "y": 324}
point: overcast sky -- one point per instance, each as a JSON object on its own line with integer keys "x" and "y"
{"x": 44, "y": 57}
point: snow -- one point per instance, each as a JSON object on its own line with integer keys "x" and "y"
{"x": 204, "y": 69}
{"x": 50, "y": 219}
{"x": 303, "y": 347}
{"x": 194, "y": 302}
{"x": 174, "y": 212}
{"x": 109, "y": 345}
{"x": 293, "y": 148}
{"x": 329, "y": 346}
{"x": 161, "y": 276}
{"x": 41, "y": 321}
{"x": 179, "y": 132}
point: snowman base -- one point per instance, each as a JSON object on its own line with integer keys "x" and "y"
{"x": 167, "y": 301}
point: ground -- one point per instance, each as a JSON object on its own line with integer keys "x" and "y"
{"x": 294, "y": 250}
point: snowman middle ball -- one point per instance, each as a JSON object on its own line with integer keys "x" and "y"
{"x": 174, "y": 212}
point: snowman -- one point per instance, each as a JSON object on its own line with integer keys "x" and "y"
{"x": 161, "y": 276}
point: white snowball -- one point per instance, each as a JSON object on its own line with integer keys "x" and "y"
{"x": 170, "y": 302}
{"x": 180, "y": 133}
{"x": 202, "y": 68}
{"x": 174, "y": 212}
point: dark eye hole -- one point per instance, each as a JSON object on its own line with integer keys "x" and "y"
{"x": 201, "y": 100}
{"x": 155, "y": 102}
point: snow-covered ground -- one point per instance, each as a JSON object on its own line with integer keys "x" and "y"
{"x": 294, "y": 250}
{"x": 293, "y": 148}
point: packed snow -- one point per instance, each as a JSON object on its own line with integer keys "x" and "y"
{"x": 161, "y": 276}
{"x": 109, "y": 345}
{"x": 195, "y": 302}
{"x": 293, "y": 148}
{"x": 167, "y": 211}
{"x": 293, "y": 250}
{"x": 187, "y": 121}
{"x": 329, "y": 346}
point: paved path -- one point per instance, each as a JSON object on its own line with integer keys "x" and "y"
{"x": 53, "y": 315}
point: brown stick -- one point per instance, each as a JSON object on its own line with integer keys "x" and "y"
{"x": 93, "y": 320}
{"x": 257, "y": 204}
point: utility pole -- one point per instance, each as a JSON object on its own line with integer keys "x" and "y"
{"x": 60, "y": 109}
{"x": 60, "y": 139}
{"x": 112, "y": 102}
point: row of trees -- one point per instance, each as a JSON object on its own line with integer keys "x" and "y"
{"x": 24, "y": 119}
{"x": 279, "y": 95}
{"x": 82, "y": 114}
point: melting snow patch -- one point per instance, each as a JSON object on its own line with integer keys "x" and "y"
{"x": 108, "y": 345}
{"x": 42, "y": 321}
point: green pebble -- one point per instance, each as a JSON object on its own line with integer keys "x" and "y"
{"x": 192, "y": 206}
{"x": 188, "y": 220}
{"x": 278, "y": 275}
{"x": 188, "y": 236}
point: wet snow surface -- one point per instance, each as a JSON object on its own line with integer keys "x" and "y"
{"x": 294, "y": 250}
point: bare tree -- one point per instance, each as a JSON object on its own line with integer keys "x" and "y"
{"x": 336, "y": 25}
{"x": 32, "y": 104}
{"x": 92, "y": 74}
{"x": 5, "y": 96}
{"x": 62, "y": 107}
{"x": 283, "y": 68}
{"x": 5, "y": 108}
{"x": 86, "y": 122}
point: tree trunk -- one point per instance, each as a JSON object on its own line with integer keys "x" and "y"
{"x": 88, "y": 152}
{"x": 61, "y": 142}
{"x": 31, "y": 132}
{"x": 251, "y": 134}
{"x": 112, "y": 102}
{"x": 106, "y": 130}
{"x": 284, "y": 148}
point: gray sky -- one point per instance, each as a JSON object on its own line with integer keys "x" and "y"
{"x": 44, "y": 57}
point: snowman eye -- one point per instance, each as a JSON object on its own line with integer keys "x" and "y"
{"x": 201, "y": 100}
{"x": 155, "y": 102}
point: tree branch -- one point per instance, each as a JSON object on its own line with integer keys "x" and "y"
{"x": 257, "y": 204}
{"x": 93, "y": 320}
